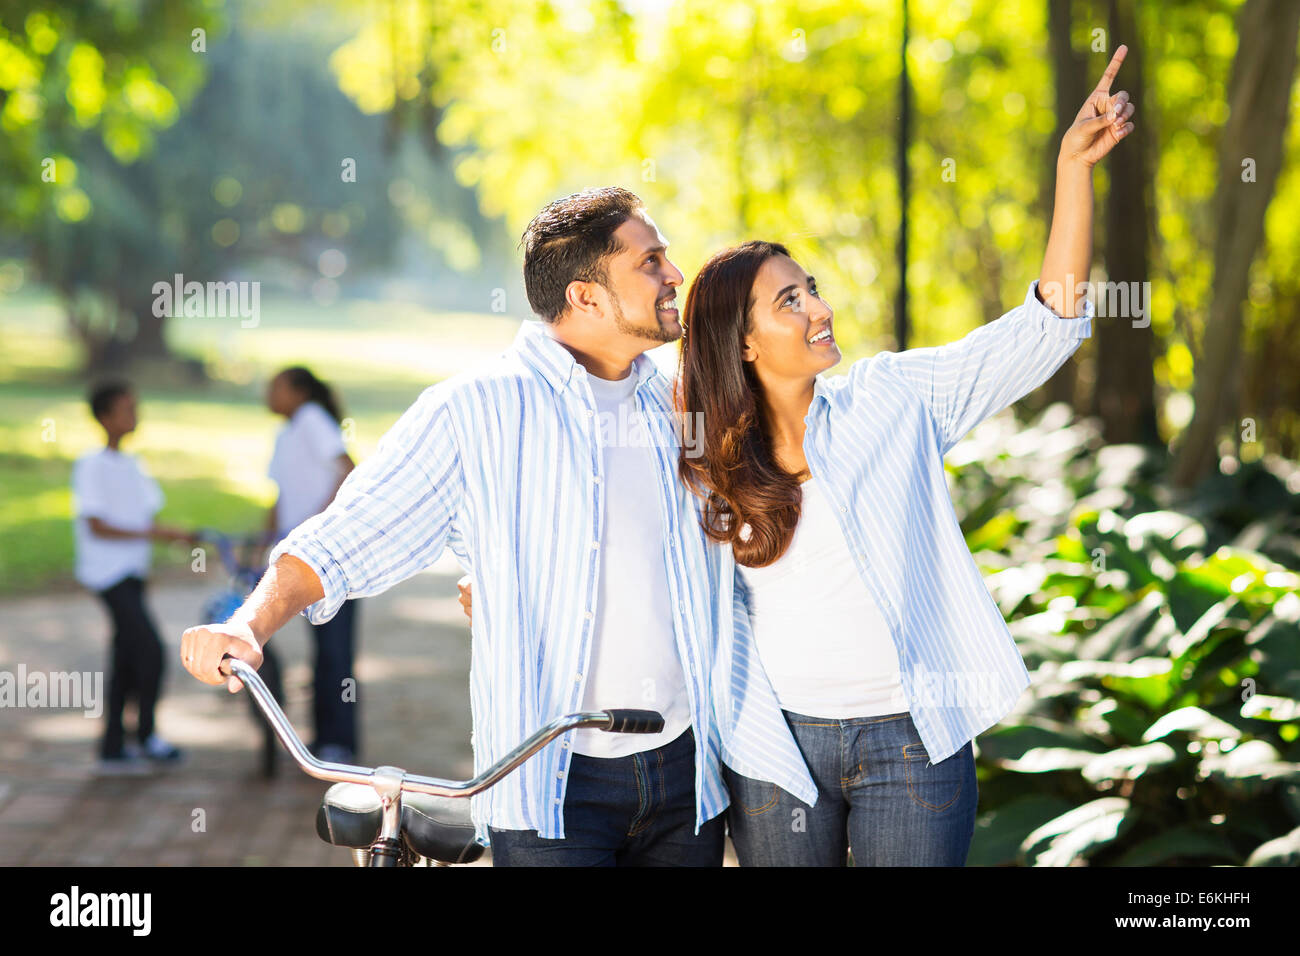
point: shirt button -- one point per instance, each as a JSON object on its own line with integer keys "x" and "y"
{"x": 560, "y": 774}
{"x": 588, "y": 615}
{"x": 590, "y": 413}
{"x": 844, "y": 510}
{"x": 577, "y": 678}
{"x": 595, "y": 479}
{"x": 595, "y": 545}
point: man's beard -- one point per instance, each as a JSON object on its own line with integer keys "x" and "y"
{"x": 655, "y": 332}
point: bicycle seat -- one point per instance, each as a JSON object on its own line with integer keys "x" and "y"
{"x": 439, "y": 828}
{"x": 350, "y": 815}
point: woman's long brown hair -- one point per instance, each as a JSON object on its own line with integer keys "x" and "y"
{"x": 737, "y": 475}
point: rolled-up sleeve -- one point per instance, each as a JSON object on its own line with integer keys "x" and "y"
{"x": 393, "y": 514}
{"x": 983, "y": 372}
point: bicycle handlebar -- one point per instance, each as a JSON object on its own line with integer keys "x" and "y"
{"x": 395, "y": 779}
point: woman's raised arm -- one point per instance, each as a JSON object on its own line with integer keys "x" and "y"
{"x": 1099, "y": 126}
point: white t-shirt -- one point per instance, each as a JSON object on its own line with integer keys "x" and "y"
{"x": 634, "y": 660}
{"x": 114, "y": 487}
{"x": 821, "y": 638}
{"x": 305, "y": 465}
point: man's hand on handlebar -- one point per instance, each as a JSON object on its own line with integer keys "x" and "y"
{"x": 466, "y": 599}
{"x": 202, "y": 650}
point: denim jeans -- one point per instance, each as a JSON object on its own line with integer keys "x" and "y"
{"x": 335, "y": 718}
{"x": 637, "y": 810}
{"x": 876, "y": 794}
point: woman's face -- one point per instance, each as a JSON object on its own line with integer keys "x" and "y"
{"x": 281, "y": 397}
{"x": 792, "y": 336}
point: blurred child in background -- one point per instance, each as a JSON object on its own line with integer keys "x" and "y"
{"x": 309, "y": 464}
{"x": 115, "y": 504}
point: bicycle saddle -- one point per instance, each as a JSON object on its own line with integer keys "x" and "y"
{"x": 439, "y": 828}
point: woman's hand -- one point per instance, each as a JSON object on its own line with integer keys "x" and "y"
{"x": 1102, "y": 122}
{"x": 464, "y": 586}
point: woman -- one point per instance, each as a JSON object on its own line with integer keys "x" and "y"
{"x": 868, "y": 613}
{"x": 309, "y": 464}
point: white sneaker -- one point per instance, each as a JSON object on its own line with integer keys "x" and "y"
{"x": 155, "y": 748}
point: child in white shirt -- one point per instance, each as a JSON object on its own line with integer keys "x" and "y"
{"x": 115, "y": 504}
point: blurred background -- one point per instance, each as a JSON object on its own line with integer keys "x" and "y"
{"x": 370, "y": 166}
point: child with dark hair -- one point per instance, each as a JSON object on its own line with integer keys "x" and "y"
{"x": 115, "y": 504}
{"x": 309, "y": 464}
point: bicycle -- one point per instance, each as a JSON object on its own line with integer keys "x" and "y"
{"x": 244, "y": 573}
{"x": 366, "y": 812}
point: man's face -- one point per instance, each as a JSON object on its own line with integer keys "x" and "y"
{"x": 642, "y": 283}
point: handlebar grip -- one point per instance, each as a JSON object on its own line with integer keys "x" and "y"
{"x": 635, "y": 722}
{"x": 231, "y": 672}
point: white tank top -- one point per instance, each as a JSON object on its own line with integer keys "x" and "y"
{"x": 821, "y": 638}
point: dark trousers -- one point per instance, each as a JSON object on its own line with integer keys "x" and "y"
{"x": 135, "y": 663}
{"x": 334, "y": 704}
{"x": 637, "y": 810}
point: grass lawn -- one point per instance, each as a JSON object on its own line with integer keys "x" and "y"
{"x": 207, "y": 447}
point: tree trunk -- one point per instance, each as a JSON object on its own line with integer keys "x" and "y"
{"x": 1124, "y": 396}
{"x": 1253, "y": 138}
{"x": 1068, "y": 69}
{"x": 904, "y": 189}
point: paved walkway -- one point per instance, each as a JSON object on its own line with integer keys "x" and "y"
{"x": 413, "y": 667}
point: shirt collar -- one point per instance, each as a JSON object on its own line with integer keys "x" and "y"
{"x": 820, "y": 388}
{"x": 556, "y": 364}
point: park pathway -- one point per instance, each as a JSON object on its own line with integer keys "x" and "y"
{"x": 413, "y": 667}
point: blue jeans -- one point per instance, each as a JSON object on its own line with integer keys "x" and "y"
{"x": 335, "y": 718}
{"x": 637, "y": 810}
{"x": 876, "y": 794}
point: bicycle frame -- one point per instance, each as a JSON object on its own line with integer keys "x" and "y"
{"x": 390, "y": 782}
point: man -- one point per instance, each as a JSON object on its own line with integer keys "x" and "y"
{"x": 594, "y": 583}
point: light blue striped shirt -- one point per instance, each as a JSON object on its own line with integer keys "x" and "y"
{"x": 875, "y": 439}
{"x": 503, "y": 465}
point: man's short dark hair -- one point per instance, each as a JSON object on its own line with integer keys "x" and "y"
{"x": 105, "y": 394}
{"x": 570, "y": 241}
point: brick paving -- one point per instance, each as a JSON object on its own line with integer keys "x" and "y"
{"x": 215, "y": 809}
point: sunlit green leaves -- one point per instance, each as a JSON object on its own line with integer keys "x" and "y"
{"x": 1077, "y": 834}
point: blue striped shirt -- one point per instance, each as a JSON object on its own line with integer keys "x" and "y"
{"x": 503, "y": 465}
{"x": 875, "y": 439}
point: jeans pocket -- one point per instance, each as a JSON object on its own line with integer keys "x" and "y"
{"x": 750, "y": 795}
{"x": 935, "y": 787}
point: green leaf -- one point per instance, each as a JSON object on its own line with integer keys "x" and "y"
{"x": 1011, "y": 742}
{"x": 1189, "y": 843}
{"x": 1252, "y": 760}
{"x": 1128, "y": 763}
{"x": 1274, "y": 645}
{"x": 1263, "y": 707}
{"x": 994, "y": 534}
{"x": 1078, "y": 833}
{"x": 1199, "y": 723}
{"x": 1284, "y": 851}
{"x": 999, "y": 832}
{"x": 1049, "y": 760}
